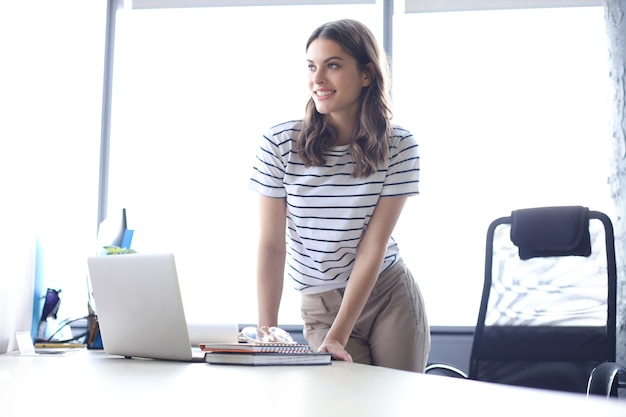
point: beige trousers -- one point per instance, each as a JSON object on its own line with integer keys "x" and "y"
{"x": 392, "y": 330}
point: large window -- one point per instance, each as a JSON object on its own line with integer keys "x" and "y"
{"x": 509, "y": 108}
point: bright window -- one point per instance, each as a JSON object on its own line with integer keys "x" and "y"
{"x": 508, "y": 111}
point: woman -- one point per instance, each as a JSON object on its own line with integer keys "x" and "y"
{"x": 338, "y": 180}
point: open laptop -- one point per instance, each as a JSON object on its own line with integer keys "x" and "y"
{"x": 140, "y": 308}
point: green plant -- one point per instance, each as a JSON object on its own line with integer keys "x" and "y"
{"x": 116, "y": 250}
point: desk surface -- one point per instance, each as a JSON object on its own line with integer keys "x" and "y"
{"x": 96, "y": 384}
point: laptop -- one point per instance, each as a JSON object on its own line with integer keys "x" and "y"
{"x": 140, "y": 308}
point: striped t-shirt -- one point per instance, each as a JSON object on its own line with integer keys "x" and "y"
{"x": 327, "y": 209}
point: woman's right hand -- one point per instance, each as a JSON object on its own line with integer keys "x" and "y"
{"x": 336, "y": 349}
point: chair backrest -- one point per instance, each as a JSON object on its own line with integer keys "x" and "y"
{"x": 547, "y": 313}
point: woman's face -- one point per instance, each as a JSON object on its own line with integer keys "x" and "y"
{"x": 335, "y": 81}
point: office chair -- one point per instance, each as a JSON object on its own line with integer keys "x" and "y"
{"x": 547, "y": 316}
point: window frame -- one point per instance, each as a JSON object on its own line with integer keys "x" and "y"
{"x": 430, "y": 6}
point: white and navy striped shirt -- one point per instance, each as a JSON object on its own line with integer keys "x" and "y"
{"x": 327, "y": 209}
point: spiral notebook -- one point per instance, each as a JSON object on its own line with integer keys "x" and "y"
{"x": 256, "y": 347}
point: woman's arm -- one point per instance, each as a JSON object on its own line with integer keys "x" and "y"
{"x": 270, "y": 258}
{"x": 369, "y": 258}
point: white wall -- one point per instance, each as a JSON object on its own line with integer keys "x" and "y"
{"x": 51, "y": 79}
{"x": 17, "y": 279}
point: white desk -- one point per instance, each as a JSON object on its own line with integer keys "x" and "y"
{"x": 91, "y": 383}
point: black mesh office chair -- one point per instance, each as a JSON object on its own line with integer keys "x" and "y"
{"x": 547, "y": 316}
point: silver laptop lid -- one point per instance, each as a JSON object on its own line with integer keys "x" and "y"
{"x": 139, "y": 306}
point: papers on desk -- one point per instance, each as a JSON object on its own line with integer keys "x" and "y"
{"x": 268, "y": 358}
{"x": 27, "y": 348}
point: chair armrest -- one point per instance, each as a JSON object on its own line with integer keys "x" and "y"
{"x": 445, "y": 369}
{"x": 605, "y": 379}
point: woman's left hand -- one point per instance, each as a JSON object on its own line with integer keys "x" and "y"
{"x": 336, "y": 349}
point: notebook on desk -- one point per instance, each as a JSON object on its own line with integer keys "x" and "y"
{"x": 140, "y": 309}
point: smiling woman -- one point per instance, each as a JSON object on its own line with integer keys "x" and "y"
{"x": 335, "y": 82}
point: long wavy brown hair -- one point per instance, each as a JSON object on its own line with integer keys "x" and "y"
{"x": 370, "y": 140}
